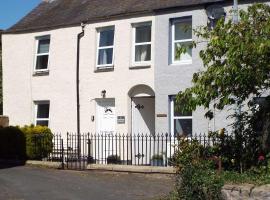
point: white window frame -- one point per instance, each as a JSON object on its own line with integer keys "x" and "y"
{"x": 41, "y": 54}
{"x": 106, "y": 66}
{"x": 134, "y": 44}
{"x": 173, "y": 41}
{"x": 172, "y": 117}
{"x": 36, "y": 104}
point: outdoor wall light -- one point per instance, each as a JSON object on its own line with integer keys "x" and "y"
{"x": 103, "y": 93}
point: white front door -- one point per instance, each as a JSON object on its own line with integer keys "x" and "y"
{"x": 143, "y": 115}
{"x": 105, "y": 116}
{"x": 105, "y": 127}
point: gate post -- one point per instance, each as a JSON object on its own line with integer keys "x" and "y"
{"x": 67, "y": 150}
{"x": 62, "y": 154}
{"x": 89, "y": 151}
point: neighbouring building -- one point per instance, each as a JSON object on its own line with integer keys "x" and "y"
{"x": 129, "y": 73}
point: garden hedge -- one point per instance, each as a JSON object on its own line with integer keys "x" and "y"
{"x": 28, "y": 142}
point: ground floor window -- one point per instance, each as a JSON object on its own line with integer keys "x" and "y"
{"x": 42, "y": 110}
{"x": 180, "y": 123}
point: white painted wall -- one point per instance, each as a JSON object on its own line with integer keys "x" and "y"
{"x": 21, "y": 88}
{"x": 170, "y": 79}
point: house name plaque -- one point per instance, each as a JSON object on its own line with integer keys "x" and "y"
{"x": 121, "y": 119}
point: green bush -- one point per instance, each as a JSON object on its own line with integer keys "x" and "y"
{"x": 12, "y": 143}
{"x": 198, "y": 182}
{"x": 197, "y": 177}
{"x": 113, "y": 159}
{"x": 38, "y": 141}
{"x": 157, "y": 157}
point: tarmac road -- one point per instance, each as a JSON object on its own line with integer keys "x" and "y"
{"x": 30, "y": 183}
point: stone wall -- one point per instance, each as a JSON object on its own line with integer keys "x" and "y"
{"x": 4, "y": 121}
{"x": 246, "y": 192}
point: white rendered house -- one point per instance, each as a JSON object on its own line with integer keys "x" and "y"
{"x": 128, "y": 72}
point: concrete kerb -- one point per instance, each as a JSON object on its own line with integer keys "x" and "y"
{"x": 114, "y": 168}
{"x": 132, "y": 168}
{"x": 47, "y": 164}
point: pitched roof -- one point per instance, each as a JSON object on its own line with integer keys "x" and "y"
{"x": 50, "y": 14}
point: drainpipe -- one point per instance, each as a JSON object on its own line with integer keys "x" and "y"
{"x": 79, "y": 37}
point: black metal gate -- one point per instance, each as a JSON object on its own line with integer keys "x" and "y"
{"x": 77, "y": 151}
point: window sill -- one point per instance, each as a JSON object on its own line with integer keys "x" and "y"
{"x": 104, "y": 69}
{"x": 41, "y": 73}
{"x": 181, "y": 63}
{"x": 139, "y": 66}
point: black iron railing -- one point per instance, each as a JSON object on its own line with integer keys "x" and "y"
{"x": 115, "y": 148}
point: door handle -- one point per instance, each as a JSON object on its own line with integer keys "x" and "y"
{"x": 139, "y": 106}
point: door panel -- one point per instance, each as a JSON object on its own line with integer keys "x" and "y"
{"x": 105, "y": 114}
{"x": 143, "y": 115}
{"x": 143, "y": 123}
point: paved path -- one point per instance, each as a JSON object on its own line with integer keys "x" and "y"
{"x": 29, "y": 183}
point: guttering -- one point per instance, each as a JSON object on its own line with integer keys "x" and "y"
{"x": 79, "y": 37}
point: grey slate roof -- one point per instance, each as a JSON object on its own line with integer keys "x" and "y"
{"x": 50, "y": 14}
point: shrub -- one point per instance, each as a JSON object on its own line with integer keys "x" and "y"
{"x": 12, "y": 143}
{"x": 157, "y": 157}
{"x": 198, "y": 182}
{"x": 197, "y": 178}
{"x": 113, "y": 159}
{"x": 38, "y": 141}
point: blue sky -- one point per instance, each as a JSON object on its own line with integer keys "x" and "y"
{"x": 13, "y": 10}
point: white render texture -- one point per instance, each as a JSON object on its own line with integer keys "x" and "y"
{"x": 21, "y": 88}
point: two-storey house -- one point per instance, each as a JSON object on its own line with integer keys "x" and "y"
{"x": 128, "y": 71}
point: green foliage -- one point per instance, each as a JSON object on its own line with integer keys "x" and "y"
{"x": 236, "y": 61}
{"x": 236, "y": 69}
{"x": 38, "y": 141}
{"x": 197, "y": 178}
{"x": 198, "y": 182}
{"x": 157, "y": 157}
{"x": 28, "y": 142}
{"x": 248, "y": 177}
{"x": 113, "y": 159}
{"x": 12, "y": 143}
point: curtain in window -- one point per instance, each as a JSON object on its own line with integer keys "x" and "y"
{"x": 142, "y": 53}
{"x": 105, "y": 56}
{"x": 44, "y": 46}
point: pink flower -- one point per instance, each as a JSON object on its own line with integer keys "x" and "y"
{"x": 261, "y": 158}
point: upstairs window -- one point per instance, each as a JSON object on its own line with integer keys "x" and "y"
{"x": 42, "y": 110}
{"x": 105, "y": 50}
{"x": 181, "y": 123}
{"x": 42, "y": 53}
{"x": 182, "y": 38}
{"x": 142, "y": 44}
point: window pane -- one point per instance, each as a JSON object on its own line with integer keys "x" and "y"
{"x": 42, "y": 62}
{"x": 43, "y": 46}
{"x": 43, "y": 122}
{"x": 143, "y": 53}
{"x": 183, "y": 30}
{"x": 43, "y": 110}
{"x": 180, "y": 114}
{"x": 105, "y": 56}
{"x": 106, "y": 38}
{"x": 183, "y": 127}
{"x": 184, "y": 56}
{"x": 143, "y": 34}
